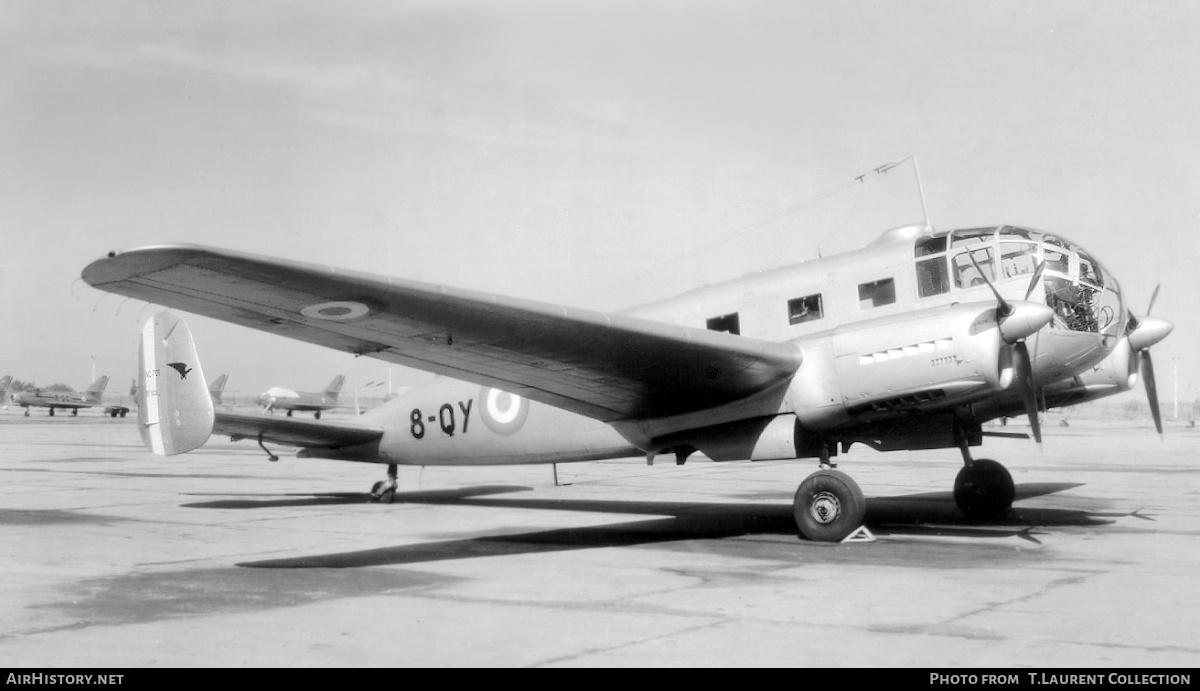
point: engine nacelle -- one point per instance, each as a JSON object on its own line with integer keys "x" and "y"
{"x": 900, "y": 361}
{"x": 760, "y": 439}
{"x": 1119, "y": 369}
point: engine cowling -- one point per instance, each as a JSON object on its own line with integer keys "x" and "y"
{"x": 1119, "y": 369}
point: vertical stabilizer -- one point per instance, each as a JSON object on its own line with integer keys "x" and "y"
{"x": 175, "y": 410}
{"x": 217, "y": 388}
{"x": 335, "y": 386}
{"x": 92, "y": 393}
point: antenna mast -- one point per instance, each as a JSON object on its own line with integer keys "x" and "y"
{"x": 920, "y": 189}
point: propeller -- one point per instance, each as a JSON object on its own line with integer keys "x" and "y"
{"x": 1016, "y": 322}
{"x": 1143, "y": 333}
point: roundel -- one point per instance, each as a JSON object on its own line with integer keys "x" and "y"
{"x": 338, "y": 310}
{"x": 502, "y": 412}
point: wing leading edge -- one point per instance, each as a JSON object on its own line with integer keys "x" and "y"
{"x": 606, "y": 366}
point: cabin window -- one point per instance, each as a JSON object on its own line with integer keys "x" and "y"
{"x": 1017, "y": 259}
{"x": 876, "y": 293}
{"x": 1057, "y": 261}
{"x": 930, "y": 245}
{"x": 975, "y": 236}
{"x": 1089, "y": 271}
{"x": 966, "y": 274}
{"x": 932, "y": 277}
{"x": 727, "y": 323}
{"x": 805, "y": 309}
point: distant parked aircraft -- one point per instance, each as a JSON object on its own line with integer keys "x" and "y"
{"x": 286, "y": 399}
{"x": 67, "y": 400}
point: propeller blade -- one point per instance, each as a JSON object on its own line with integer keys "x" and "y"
{"x": 1151, "y": 390}
{"x": 1033, "y": 281}
{"x": 1023, "y": 375}
{"x": 1134, "y": 322}
{"x": 1004, "y": 308}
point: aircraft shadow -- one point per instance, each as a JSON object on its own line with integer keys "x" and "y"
{"x": 920, "y": 514}
{"x": 332, "y": 498}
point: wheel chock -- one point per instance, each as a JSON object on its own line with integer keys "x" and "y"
{"x": 860, "y": 534}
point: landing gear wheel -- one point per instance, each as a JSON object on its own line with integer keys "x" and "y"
{"x": 384, "y": 491}
{"x": 829, "y": 505}
{"x": 984, "y": 490}
{"x": 381, "y": 493}
{"x": 317, "y": 415}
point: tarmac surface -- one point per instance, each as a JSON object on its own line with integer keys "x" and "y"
{"x": 114, "y": 557}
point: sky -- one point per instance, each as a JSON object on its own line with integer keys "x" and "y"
{"x": 595, "y": 154}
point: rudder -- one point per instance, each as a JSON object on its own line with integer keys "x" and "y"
{"x": 175, "y": 410}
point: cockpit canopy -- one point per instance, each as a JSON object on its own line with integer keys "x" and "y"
{"x": 1084, "y": 297}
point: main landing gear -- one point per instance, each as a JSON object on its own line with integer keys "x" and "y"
{"x": 829, "y": 505}
{"x": 383, "y": 492}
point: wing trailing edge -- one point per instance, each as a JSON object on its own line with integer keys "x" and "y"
{"x": 609, "y": 367}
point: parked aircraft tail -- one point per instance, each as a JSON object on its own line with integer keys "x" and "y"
{"x": 4, "y": 384}
{"x": 335, "y": 386}
{"x": 175, "y": 409}
{"x": 92, "y": 393}
{"x": 217, "y": 388}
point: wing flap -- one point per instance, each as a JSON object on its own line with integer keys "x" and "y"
{"x": 607, "y": 366}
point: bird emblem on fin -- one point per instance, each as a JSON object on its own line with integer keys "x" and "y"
{"x": 181, "y": 368}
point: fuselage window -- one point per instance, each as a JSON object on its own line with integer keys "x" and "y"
{"x": 876, "y": 293}
{"x": 805, "y": 309}
{"x": 727, "y": 323}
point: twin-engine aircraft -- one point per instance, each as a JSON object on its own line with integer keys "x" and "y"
{"x": 912, "y": 342}
{"x": 278, "y": 398}
{"x": 67, "y": 400}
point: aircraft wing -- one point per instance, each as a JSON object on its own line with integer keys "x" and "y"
{"x": 293, "y": 432}
{"x": 606, "y": 366}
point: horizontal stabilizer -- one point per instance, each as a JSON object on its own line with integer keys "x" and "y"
{"x": 294, "y": 431}
{"x": 175, "y": 410}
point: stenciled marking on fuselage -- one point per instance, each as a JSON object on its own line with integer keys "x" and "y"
{"x": 907, "y": 351}
{"x": 445, "y": 419}
{"x": 947, "y": 360}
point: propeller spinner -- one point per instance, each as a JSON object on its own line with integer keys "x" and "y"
{"x": 1142, "y": 333}
{"x": 1017, "y": 321}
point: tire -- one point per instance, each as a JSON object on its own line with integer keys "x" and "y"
{"x": 828, "y": 506}
{"x": 984, "y": 490}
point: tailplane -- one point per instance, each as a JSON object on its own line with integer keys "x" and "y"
{"x": 175, "y": 410}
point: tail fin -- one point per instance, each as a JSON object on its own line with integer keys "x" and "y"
{"x": 175, "y": 410}
{"x": 217, "y": 387}
{"x": 335, "y": 386}
{"x": 92, "y": 393}
{"x": 4, "y": 384}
